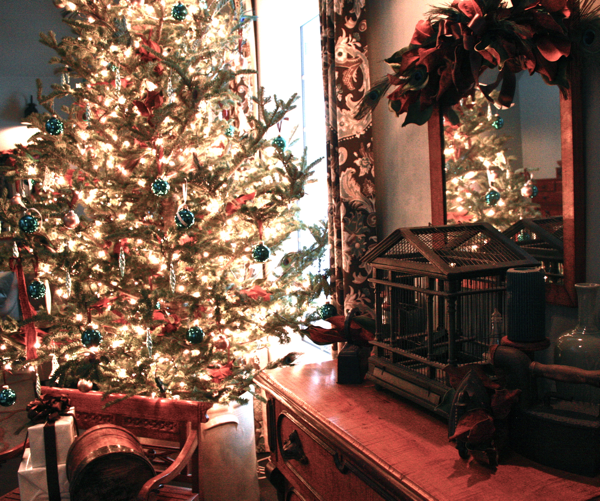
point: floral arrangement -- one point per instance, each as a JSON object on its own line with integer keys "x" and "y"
{"x": 454, "y": 45}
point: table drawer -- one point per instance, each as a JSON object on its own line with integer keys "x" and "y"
{"x": 314, "y": 466}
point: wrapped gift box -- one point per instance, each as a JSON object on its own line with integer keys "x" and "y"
{"x": 33, "y": 484}
{"x": 65, "y": 435}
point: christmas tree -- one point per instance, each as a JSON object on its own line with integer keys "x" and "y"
{"x": 481, "y": 183}
{"x": 161, "y": 201}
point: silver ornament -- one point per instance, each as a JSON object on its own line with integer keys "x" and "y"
{"x": 172, "y": 277}
{"x": 68, "y": 283}
{"x": 122, "y": 261}
{"x": 149, "y": 343}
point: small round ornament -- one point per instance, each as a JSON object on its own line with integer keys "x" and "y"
{"x": 492, "y": 197}
{"x": 36, "y": 289}
{"x": 230, "y": 131}
{"x": 279, "y": 142}
{"x": 534, "y": 191}
{"x": 54, "y": 126}
{"x": 179, "y": 11}
{"x": 498, "y": 123}
{"x": 91, "y": 337}
{"x": 523, "y": 237}
{"x": 260, "y": 253}
{"x": 83, "y": 385}
{"x": 184, "y": 218}
{"x": 221, "y": 342}
{"x": 7, "y": 397}
{"x": 71, "y": 219}
{"x": 160, "y": 187}
{"x": 29, "y": 224}
{"x": 195, "y": 335}
{"x": 327, "y": 311}
{"x": 527, "y": 190}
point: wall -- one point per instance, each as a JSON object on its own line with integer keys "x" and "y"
{"x": 401, "y": 153}
{"x": 402, "y": 159}
{"x": 23, "y": 59}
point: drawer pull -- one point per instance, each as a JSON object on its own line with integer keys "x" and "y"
{"x": 292, "y": 449}
{"x": 340, "y": 464}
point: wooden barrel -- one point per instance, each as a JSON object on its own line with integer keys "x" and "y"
{"x": 105, "y": 463}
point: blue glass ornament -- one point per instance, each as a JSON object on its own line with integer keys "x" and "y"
{"x": 28, "y": 224}
{"x": 179, "y": 11}
{"x": 112, "y": 66}
{"x": 230, "y": 131}
{"x": 195, "y": 335}
{"x": 523, "y": 237}
{"x": 279, "y": 142}
{"x": 327, "y": 311}
{"x": 534, "y": 191}
{"x": 54, "y": 126}
{"x": 36, "y": 289}
{"x": 260, "y": 253}
{"x": 160, "y": 187}
{"x": 492, "y": 197}
{"x": 184, "y": 218}
{"x": 7, "y": 397}
{"x": 498, "y": 123}
{"x": 91, "y": 337}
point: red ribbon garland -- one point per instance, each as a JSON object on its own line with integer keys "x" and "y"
{"x": 27, "y": 311}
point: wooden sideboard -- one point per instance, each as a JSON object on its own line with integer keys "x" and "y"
{"x": 334, "y": 442}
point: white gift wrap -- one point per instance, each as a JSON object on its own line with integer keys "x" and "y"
{"x": 65, "y": 435}
{"x": 33, "y": 484}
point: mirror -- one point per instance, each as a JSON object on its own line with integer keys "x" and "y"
{"x": 543, "y": 139}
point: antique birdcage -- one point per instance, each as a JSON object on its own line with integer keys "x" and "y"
{"x": 439, "y": 292}
{"x": 543, "y": 239}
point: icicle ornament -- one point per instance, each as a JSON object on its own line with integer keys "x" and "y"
{"x": 122, "y": 261}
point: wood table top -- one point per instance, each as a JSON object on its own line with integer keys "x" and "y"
{"x": 412, "y": 444}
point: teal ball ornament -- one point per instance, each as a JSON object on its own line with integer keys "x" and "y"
{"x": 498, "y": 123}
{"x": 195, "y": 335}
{"x": 327, "y": 311}
{"x": 534, "y": 191}
{"x": 29, "y": 224}
{"x": 492, "y": 197}
{"x": 260, "y": 253}
{"x": 179, "y": 11}
{"x": 91, "y": 337}
{"x": 36, "y": 289}
{"x": 160, "y": 187}
{"x": 279, "y": 142}
{"x": 230, "y": 131}
{"x": 184, "y": 218}
{"x": 54, "y": 126}
{"x": 8, "y": 397}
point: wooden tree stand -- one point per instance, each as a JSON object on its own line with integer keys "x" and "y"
{"x": 154, "y": 421}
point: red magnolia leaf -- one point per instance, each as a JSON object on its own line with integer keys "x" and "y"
{"x": 236, "y": 204}
{"x": 423, "y": 32}
{"x": 256, "y": 292}
{"x": 322, "y": 336}
{"x": 474, "y": 427}
{"x": 142, "y": 107}
{"x": 553, "y": 48}
{"x": 556, "y": 6}
{"x": 145, "y": 55}
{"x": 219, "y": 373}
{"x": 469, "y": 8}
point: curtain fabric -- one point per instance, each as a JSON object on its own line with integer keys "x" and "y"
{"x": 350, "y": 171}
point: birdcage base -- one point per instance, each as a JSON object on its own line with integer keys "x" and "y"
{"x": 409, "y": 384}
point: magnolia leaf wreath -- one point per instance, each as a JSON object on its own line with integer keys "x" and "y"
{"x": 454, "y": 45}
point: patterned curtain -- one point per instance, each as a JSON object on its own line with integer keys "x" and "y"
{"x": 350, "y": 173}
